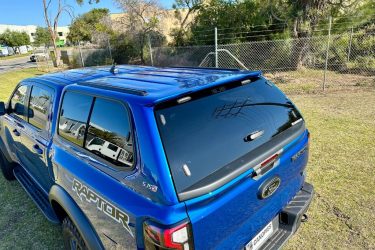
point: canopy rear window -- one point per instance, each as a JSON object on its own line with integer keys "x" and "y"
{"x": 204, "y": 133}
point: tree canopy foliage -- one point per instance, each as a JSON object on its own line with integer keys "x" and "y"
{"x": 42, "y": 37}
{"x": 14, "y": 38}
{"x": 248, "y": 20}
{"x": 87, "y": 26}
{"x": 59, "y": 7}
{"x": 141, "y": 21}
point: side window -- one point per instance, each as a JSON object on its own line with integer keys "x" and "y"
{"x": 110, "y": 138}
{"x": 74, "y": 114}
{"x": 18, "y": 102}
{"x": 39, "y": 107}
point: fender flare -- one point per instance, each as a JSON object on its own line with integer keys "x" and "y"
{"x": 89, "y": 235}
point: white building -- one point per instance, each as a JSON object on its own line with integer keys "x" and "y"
{"x": 31, "y": 29}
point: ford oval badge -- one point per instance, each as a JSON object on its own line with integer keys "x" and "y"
{"x": 269, "y": 187}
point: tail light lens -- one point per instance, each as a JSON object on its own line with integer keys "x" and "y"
{"x": 162, "y": 237}
{"x": 269, "y": 161}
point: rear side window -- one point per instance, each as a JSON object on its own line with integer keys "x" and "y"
{"x": 99, "y": 125}
{"x": 74, "y": 113}
{"x": 39, "y": 107}
{"x": 114, "y": 134}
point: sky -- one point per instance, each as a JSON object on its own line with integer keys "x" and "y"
{"x": 30, "y": 12}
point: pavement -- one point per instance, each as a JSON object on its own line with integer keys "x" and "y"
{"x": 16, "y": 63}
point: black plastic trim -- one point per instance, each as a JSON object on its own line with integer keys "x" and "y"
{"x": 236, "y": 167}
{"x": 290, "y": 218}
{"x": 105, "y": 86}
{"x": 36, "y": 193}
{"x": 89, "y": 235}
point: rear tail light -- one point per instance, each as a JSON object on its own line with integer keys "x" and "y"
{"x": 270, "y": 161}
{"x": 267, "y": 164}
{"x": 162, "y": 237}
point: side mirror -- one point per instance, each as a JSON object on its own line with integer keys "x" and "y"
{"x": 2, "y": 109}
{"x": 19, "y": 109}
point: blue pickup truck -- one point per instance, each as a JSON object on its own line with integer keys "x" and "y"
{"x": 132, "y": 157}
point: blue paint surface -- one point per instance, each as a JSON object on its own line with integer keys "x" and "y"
{"x": 226, "y": 218}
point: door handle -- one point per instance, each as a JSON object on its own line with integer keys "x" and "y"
{"x": 16, "y": 133}
{"x": 37, "y": 149}
{"x": 20, "y": 125}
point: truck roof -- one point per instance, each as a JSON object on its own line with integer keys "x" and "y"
{"x": 153, "y": 84}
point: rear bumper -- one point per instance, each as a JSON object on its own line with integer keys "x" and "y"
{"x": 290, "y": 218}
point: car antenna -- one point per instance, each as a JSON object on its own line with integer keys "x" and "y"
{"x": 113, "y": 69}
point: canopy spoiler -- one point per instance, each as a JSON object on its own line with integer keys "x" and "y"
{"x": 236, "y": 80}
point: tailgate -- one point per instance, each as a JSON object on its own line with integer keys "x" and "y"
{"x": 231, "y": 216}
{"x": 223, "y": 146}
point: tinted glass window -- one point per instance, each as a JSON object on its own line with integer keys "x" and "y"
{"x": 96, "y": 142}
{"x": 18, "y": 102}
{"x": 203, "y": 135}
{"x": 112, "y": 147}
{"x": 39, "y": 107}
{"x": 73, "y": 117}
{"x": 109, "y": 137}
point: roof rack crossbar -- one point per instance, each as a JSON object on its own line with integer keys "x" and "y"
{"x": 105, "y": 86}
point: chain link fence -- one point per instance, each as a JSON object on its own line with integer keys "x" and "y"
{"x": 75, "y": 57}
{"x": 347, "y": 53}
{"x": 342, "y": 54}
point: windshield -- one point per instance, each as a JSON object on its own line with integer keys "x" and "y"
{"x": 205, "y": 134}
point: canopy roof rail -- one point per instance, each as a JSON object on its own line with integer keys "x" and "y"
{"x": 106, "y": 86}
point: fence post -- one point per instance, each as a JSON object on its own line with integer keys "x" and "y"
{"x": 350, "y": 43}
{"x": 216, "y": 52}
{"x": 149, "y": 45}
{"x": 110, "y": 50}
{"x": 326, "y": 64}
{"x": 47, "y": 56}
{"x": 80, "y": 54}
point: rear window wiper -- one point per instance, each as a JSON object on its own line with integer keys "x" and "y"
{"x": 288, "y": 105}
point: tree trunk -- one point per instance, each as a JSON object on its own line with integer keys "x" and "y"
{"x": 56, "y": 51}
{"x": 299, "y": 46}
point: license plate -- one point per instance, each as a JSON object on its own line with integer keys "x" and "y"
{"x": 260, "y": 238}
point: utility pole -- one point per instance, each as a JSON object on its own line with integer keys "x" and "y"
{"x": 326, "y": 64}
{"x": 216, "y": 52}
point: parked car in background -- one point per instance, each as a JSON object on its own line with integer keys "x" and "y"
{"x": 40, "y": 54}
{"x": 10, "y": 51}
{"x": 135, "y": 157}
{"x": 4, "y": 51}
{"x": 22, "y": 49}
{"x": 110, "y": 151}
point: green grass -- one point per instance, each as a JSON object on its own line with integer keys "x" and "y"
{"x": 10, "y": 79}
{"x": 341, "y": 167}
{"x": 14, "y": 56}
{"x": 309, "y": 81}
{"x": 22, "y": 225}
